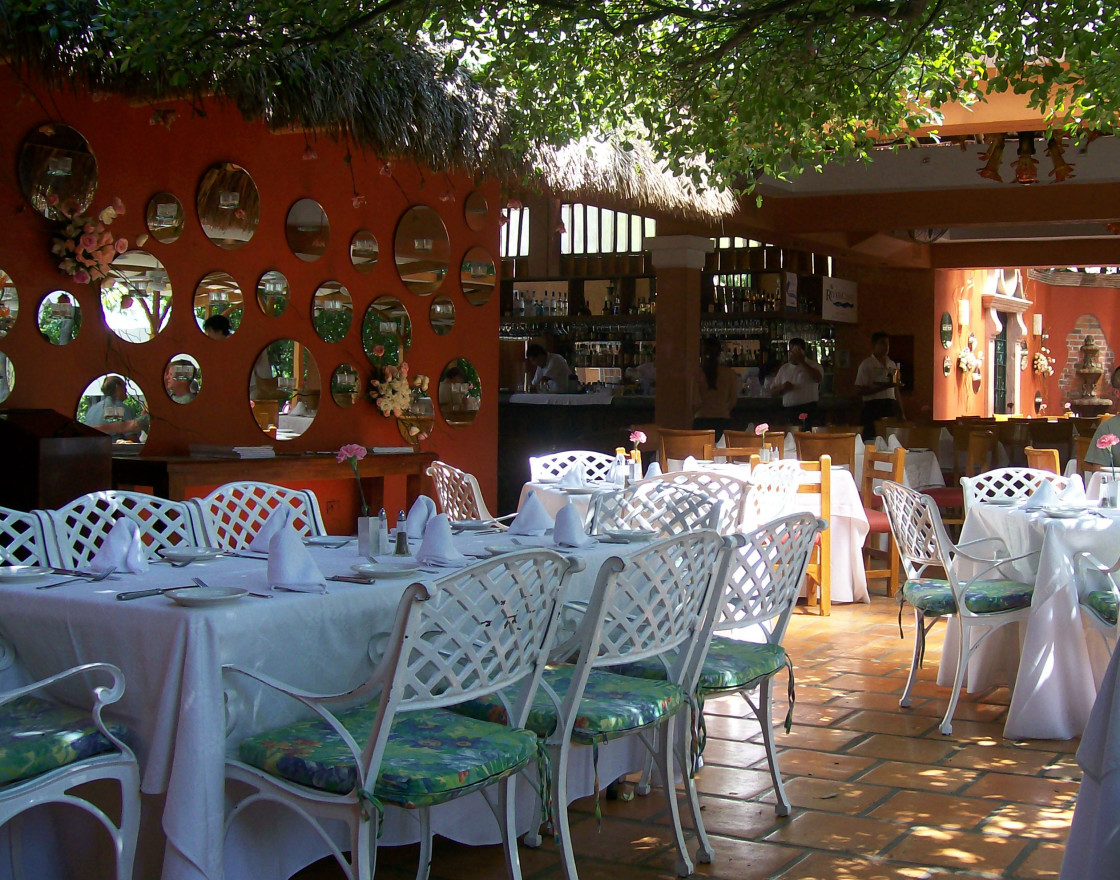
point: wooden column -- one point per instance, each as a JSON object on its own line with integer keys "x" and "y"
{"x": 678, "y": 263}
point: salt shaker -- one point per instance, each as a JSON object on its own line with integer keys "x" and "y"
{"x": 401, "y": 548}
{"x": 382, "y": 533}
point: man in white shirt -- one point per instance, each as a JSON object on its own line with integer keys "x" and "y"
{"x": 551, "y": 376}
{"x": 798, "y": 382}
{"x": 877, "y": 381}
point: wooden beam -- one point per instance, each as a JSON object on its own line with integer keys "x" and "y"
{"x": 1028, "y": 254}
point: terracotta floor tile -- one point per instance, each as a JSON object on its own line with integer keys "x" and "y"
{"x": 875, "y": 702}
{"x": 1063, "y": 767}
{"x": 1006, "y": 759}
{"x": 971, "y": 731}
{"x": 1031, "y": 821}
{"x": 730, "y": 753}
{"x": 638, "y": 808}
{"x": 732, "y": 781}
{"x": 922, "y": 777}
{"x": 805, "y": 736}
{"x": 732, "y": 817}
{"x": 849, "y": 834}
{"x": 899, "y": 721}
{"x": 867, "y": 667}
{"x": 823, "y": 765}
{"x": 874, "y": 684}
{"x": 833, "y": 796}
{"x": 1024, "y": 789}
{"x": 810, "y": 713}
{"x": 727, "y": 727}
{"x": 929, "y": 808}
{"x": 957, "y": 849}
{"x": 1063, "y": 746}
{"x": 619, "y": 839}
{"x": 1045, "y": 861}
{"x": 825, "y": 866}
{"x": 731, "y": 860}
{"x": 963, "y": 712}
{"x": 903, "y": 748}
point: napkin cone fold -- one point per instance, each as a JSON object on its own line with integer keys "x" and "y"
{"x": 437, "y": 548}
{"x": 422, "y": 510}
{"x": 271, "y": 526}
{"x": 533, "y": 518}
{"x": 290, "y": 565}
{"x": 573, "y": 477}
{"x": 122, "y": 550}
{"x": 569, "y": 531}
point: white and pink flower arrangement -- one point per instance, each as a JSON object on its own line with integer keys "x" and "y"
{"x": 84, "y": 246}
{"x": 1043, "y": 363}
{"x": 638, "y": 438}
{"x": 393, "y": 391}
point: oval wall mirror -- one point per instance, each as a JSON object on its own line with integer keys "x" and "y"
{"x": 9, "y": 303}
{"x": 386, "y": 331}
{"x": 136, "y": 297}
{"x": 332, "y": 311}
{"x": 284, "y": 389}
{"x": 479, "y": 276}
{"x": 422, "y": 250}
{"x": 345, "y": 385}
{"x": 460, "y": 393}
{"x": 363, "y": 250}
{"x": 229, "y": 206}
{"x": 182, "y": 378}
{"x": 60, "y": 317}
{"x": 442, "y": 315}
{"x": 475, "y": 210}
{"x": 115, "y": 405}
{"x": 272, "y": 293}
{"x": 7, "y": 377}
{"x": 57, "y": 171}
{"x": 166, "y": 217}
{"x": 307, "y": 230}
{"x": 218, "y": 305}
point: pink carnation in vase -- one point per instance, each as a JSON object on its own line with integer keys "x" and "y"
{"x": 638, "y": 437}
{"x": 761, "y": 429}
{"x": 803, "y": 417}
{"x": 1107, "y": 441}
{"x": 349, "y": 451}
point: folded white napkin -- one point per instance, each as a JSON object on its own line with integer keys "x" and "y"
{"x": 290, "y": 565}
{"x": 533, "y": 518}
{"x": 569, "y": 531}
{"x": 654, "y": 469}
{"x": 881, "y": 445}
{"x": 422, "y": 510}
{"x": 893, "y": 443}
{"x": 690, "y": 464}
{"x": 437, "y": 548}
{"x": 271, "y": 526}
{"x": 573, "y": 477}
{"x": 1074, "y": 493}
{"x": 1043, "y": 496}
{"x": 122, "y": 550}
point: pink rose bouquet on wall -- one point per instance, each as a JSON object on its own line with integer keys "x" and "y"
{"x": 84, "y": 246}
{"x": 393, "y": 391}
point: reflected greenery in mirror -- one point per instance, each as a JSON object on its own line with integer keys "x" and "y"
{"x": 272, "y": 293}
{"x": 182, "y": 378}
{"x": 442, "y": 315}
{"x": 136, "y": 297}
{"x": 218, "y": 297}
{"x": 166, "y": 217}
{"x": 307, "y": 230}
{"x": 7, "y": 377}
{"x": 229, "y": 206}
{"x": 57, "y": 171}
{"x": 60, "y": 317}
{"x": 346, "y": 385}
{"x": 460, "y": 393}
{"x": 422, "y": 250}
{"x": 9, "y": 303}
{"x": 115, "y": 405}
{"x": 478, "y": 276}
{"x": 363, "y": 250}
{"x": 332, "y": 311}
{"x": 475, "y": 210}
{"x": 284, "y": 389}
{"x": 386, "y": 331}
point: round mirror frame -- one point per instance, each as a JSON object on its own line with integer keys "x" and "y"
{"x": 7, "y": 377}
{"x": 460, "y": 393}
{"x": 332, "y": 311}
{"x": 276, "y": 393}
{"x": 476, "y": 211}
{"x": 165, "y": 217}
{"x": 182, "y": 378}
{"x": 273, "y": 293}
{"x": 422, "y": 250}
{"x": 307, "y": 230}
{"x": 9, "y": 303}
{"x": 441, "y": 313}
{"x": 386, "y": 331}
{"x": 57, "y": 171}
{"x": 67, "y": 312}
{"x": 218, "y": 295}
{"x": 478, "y": 276}
{"x": 228, "y": 200}
{"x": 137, "y": 286}
{"x": 364, "y": 251}
{"x": 346, "y": 385}
{"x": 123, "y": 418}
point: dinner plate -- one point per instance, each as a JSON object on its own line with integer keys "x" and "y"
{"x": 326, "y": 540}
{"x": 188, "y": 554}
{"x": 198, "y": 597}
{"x": 917, "y": 449}
{"x": 17, "y": 573}
{"x": 472, "y": 525}
{"x": 385, "y": 569}
{"x": 631, "y": 534}
{"x": 1062, "y": 512}
{"x": 578, "y": 490}
{"x": 1003, "y": 501}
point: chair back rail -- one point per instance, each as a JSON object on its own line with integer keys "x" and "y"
{"x": 1042, "y": 459}
{"x": 730, "y": 491}
{"x": 26, "y": 538}
{"x": 656, "y": 505}
{"x": 751, "y": 440}
{"x": 457, "y": 492}
{"x": 839, "y": 447}
{"x": 232, "y": 514}
{"x": 680, "y": 444}
{"x": 1009, "y": 483}
{"x": 594, "y": 465}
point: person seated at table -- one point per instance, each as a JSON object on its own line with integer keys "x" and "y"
{"x": 715, "y": 392}
{"x": 798, "y": 382}
{"x": 551, "y": 376}
{"x": 130, "y": 423}
{"x": 877, "y": 381}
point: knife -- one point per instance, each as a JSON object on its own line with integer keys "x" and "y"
{"x": 142, "y": 594}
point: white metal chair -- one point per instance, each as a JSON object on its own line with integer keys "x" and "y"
{"x": 594, "y": 465}
{"x": 478, "y": 631}
{"x": 47, "y": 750}
{"x": 730, "y": 491}
{"x": 24, "y": 539}
{"x": 1098, "y": 596}
{"x": 80, "y": 527}
{"x": 982, "y": 605}
{"x": 458, "y": 493}
{"x": 232, "y": 514}
{"x": 664, "y": 508}
{"x": 773, "y": 488}
{"x": 1010, "y": 483}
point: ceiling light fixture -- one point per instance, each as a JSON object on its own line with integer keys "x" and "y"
{"x": 1026, "y": 166}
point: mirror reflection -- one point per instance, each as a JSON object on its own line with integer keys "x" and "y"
{"x": 57, "y": 171}
{"x": 115, "y": 405}
{"x": 474, "y": 211}
{"x": 284, "y": 389}
{"x": 421, "y": 250}
{"x": 166, "y": 217}
{"x": 442, "y": 315}
{"x": 272, "y": 293}
{"x": 345, "y": 385}
{"x": 218, "y": 305}
{"x": 60, "y": 317}
{"x": 386, "y": 331}
{"x": 136, "y": 297}
{"x": 229, "y": 206}
{"x": 332, "y": 311}
{"x": 307, "y": 230}
{"x": 9, "y": 303}
{"x": 460, "y": 393}
{"x": 478, "y": 276}
{"x": 182, "y": 378}
{"x": 7, "y": 377}
{"x": 363, "y": 250}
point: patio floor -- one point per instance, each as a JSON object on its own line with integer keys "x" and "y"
{"x": 878, "y": 793}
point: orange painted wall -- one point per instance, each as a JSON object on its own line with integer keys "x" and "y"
{"x": 136, "y": 160}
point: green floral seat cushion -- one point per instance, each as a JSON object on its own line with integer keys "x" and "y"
{"x": 431, "y": 757}
{"x": 37, "y": 736}
{"x": 934, "y": 598}
{"x": 729, "y": 666}
{"x": 612, "y": 705}
{"x": 1103, "y": 604}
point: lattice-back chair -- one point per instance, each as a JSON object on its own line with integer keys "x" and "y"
{"x": 774, "y": 486}
{"x": 879, "y": 466}
{"x": 680, "y": 444}
{"x": 1009, "y": 484}
{"x": 81, "y": 526}
{"x": 654, "y": 505}
{"x": 1053, "y": 435}
{"x": 484, "y": 630}
{"x": 840, "y": 447}
{"x": 233, "y": 514}
{"x": 982, "y": 604}
{"x": 47, "y": 750}
{"x": 730, "y": 491}
{"x": 25, "y": 539}
{"x": 819, "y": 571}
{"x": 1043, "y": 459}
{"x": 595, "y": 466}
{"x": 458, "y": 493}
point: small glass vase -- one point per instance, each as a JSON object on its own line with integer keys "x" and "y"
{"x": 764, "y": 454}
{"x": 367, "y": 536}
{"x": 1110, "y": 491}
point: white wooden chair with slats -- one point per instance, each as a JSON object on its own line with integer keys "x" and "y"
{"x": 657, "y": 506}
{"x": 25, "y": 539}
{"x": 232, "y": 514}
{"x": 595, "y": 465}
{"x": 458, "y": 493}
{"x": 730, "y": 491}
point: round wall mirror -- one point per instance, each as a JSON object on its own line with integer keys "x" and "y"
{"x": 478, "y": 276}
{"x": 363, "y": 250}
{"x": 229, "y": 206}
{"x": 136, "y": 297}
{"x": 284, "y": 389}
{"x": 7, "y": 377}
{"x": 307, "y": 230}
{"x": 166, "y": 217}
{"x": 9, "y": 303}
{"x": 182, "y": 378}
{"x": 442, "y": 315}
{"x": 475, "y": 210}
{"x": 346, "y": 385}
{"x": 460, "y": 393}
{"x": 386, "y": 331}
{"x": 60, "y": 317}
{"x": 272, "y": 293}
{"x": 421, "y": 250}
{"x": 115, "y": 405}
{"x": 57, "y": 171}
{"x": 332, "y": 311}
{"x": 218, "y": 305}
{"x": 946, "y": 329}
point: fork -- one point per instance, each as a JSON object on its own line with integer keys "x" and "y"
{"x": 77, "y": 575}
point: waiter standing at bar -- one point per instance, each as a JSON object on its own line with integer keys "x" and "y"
{"x": 877, "y": 380}
{"x": 798, "y": 382}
